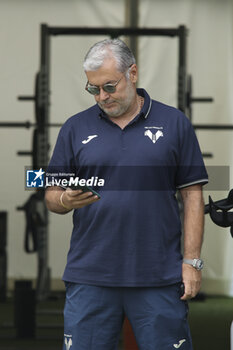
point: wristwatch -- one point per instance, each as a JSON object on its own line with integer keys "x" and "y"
{"x": 196, "y": 263}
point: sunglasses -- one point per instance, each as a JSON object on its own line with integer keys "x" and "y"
{"x": 95, "y": 90}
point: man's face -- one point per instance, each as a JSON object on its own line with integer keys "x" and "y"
{"x": 122, "y": 100}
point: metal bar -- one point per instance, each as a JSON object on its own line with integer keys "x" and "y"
{"x": 131, "y": 21}
{"x": 24, "y": 153}
{"x": 113, "y": 31}
{"x": 207, "y": 155}
{"x": 213, "y": 126}
{"x": 26, "y": 125}
{"x": 26, "y": 98}
{"x": 201, "y": 99}
{"x": 182, "y": 79}
{"x": 3, "y": 256}
{"x": 41, "y": 147}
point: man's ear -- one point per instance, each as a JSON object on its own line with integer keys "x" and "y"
{"x": 134, "y": 73}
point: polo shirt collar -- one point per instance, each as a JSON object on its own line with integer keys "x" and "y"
{"x": 147, "y": 103}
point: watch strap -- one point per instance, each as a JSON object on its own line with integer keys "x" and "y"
{"x": 196, "y": 263}
{"x": 189, "y": 261}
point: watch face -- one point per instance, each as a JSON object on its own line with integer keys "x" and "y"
{"x": 199, "y": 264}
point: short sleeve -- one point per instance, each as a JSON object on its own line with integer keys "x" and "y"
{"x": 191, "y": 168}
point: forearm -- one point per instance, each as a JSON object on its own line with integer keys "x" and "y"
{"x": 193, "y": 221}
{"x": 53, "y": 202}
{"x": 193, "y": 238}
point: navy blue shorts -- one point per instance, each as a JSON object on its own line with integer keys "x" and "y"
{"x": 93, "y": 317}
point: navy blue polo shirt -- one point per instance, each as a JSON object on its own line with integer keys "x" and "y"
{"x": 131, "y": 236}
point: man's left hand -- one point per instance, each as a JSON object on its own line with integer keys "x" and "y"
{"x": 191, "y": 280}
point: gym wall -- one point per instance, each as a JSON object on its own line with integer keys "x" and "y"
{"x": 210, "y": 62}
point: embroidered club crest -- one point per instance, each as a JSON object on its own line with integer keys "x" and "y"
{"x": 153, "y": 136}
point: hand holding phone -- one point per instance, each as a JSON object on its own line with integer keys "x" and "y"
{"x": 84, "y": 189}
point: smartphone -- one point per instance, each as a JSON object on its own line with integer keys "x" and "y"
{"x": 84, "y": 189}
{"x": 182, "y": 290}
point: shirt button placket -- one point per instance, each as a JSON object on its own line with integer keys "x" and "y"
{"x": 123, "y": 143}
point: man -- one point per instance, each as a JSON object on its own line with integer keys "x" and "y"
{"x": 124, "y": 256}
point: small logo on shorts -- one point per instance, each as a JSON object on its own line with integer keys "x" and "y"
{"x": 68, "y": 341}
{"x": 177, "y": 346}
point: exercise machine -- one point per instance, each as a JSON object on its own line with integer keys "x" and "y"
{"x": 222, "y": 215}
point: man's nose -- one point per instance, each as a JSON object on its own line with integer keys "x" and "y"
{"x": 103, "y": 95}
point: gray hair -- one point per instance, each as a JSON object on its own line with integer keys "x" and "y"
{"x": 109, "y": 48}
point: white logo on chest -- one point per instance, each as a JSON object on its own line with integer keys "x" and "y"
{"x": 153, "y": 136}
{"x": 89, "y": 138}
{"x": 68, "y": 341}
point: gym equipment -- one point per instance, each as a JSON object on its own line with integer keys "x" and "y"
{"x": 220, "y": 211}
{"x": 232, "y": 335}
{"x": 24, "y": 309}
{"x": 36, "y": 240}
{"x": 221, "y": 215}
{"x": 3, "y": 256}
{"x": 191, "y": 99}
